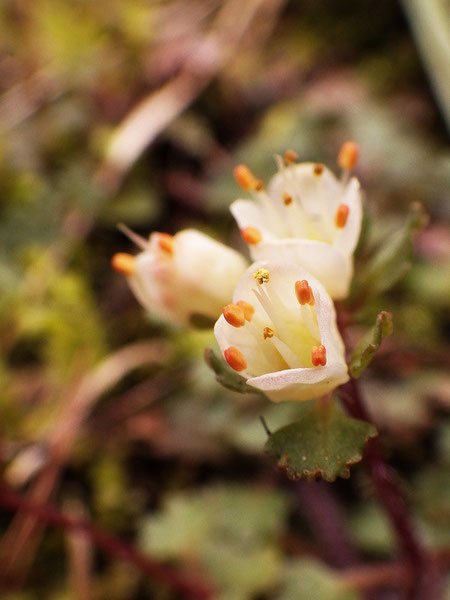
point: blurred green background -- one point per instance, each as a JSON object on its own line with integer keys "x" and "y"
{"x": 135, "y": 112}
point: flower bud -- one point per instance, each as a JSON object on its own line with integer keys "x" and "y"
{"x": 183, "y": 276}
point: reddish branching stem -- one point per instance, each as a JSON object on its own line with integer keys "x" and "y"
{"x": 425, "y": 582}
{"x": 188, "y": 587}
{"x": 388, "y": 491}
{"x": 384, "y": 480}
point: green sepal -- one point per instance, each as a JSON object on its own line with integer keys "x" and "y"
{"x": 200, "y": 321}
{"x": 323, "y": 444}
{"x": 392, "y": 259}
{"x": 365, "y": 350}
{"x": 226, "y": 376}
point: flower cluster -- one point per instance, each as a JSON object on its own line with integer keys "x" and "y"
{"x": 278, "y": 324}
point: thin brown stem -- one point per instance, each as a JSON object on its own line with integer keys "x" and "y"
{"x": 189, "y": 588}
{"x": 424, "y": 582}
{"x": 385, "y": 481}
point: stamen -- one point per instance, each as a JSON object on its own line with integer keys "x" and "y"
{"x": 290, "y": 157}
{"x": 319, "y": 356}
{"x": 268, "y": 332}
{"x": 318, "y": 169}
{"x": 137, "y": 239}
{"x": 348, "y": 155}
{"x": 251, "y": 235}
{"x": 235, "y": 358}
{"x": 287, "y": 199}
{"x": 247, "y": 308}
{"x": 341, "y": 216}
{"x": 304, "y": 293}
{"x": 262, "y": 276}
{"x": 234, "y": 315}
{"x": 124, "y": 263}
{"x": 166, "y": 243}
{"x": 273, "y": 306}
{"x": 246, "y": 179}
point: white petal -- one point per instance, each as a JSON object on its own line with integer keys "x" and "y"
{"x": 315, "y": 191}
{"x": 207, "y": 269}
{"x": 323, "y": 261}
{"x": 248, "y": 214}
{"x": 347, "y": 238}
{"x": 301, "y": 384}
{"x": 259, "y": 356}
{"x": 155, "y": 287}
{"x": 199, "y": 277}
{"x": 267, "y": 368}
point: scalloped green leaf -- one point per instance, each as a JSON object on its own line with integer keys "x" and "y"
{"x": 226, "y": 376}
{"x": 306, "y": 579}
{"x": 324, "y": 443}
{"x": 368, "y": 345}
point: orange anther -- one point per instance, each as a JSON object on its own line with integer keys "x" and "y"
{"x": 246, "y": 179}
{"x": 124, "y": 263}
{"x": 248, "y": 309}
{"x": 268, "y": 332}
{"x": 290, "y": 157}
{"x": 304, "y": 292}
{"x": 348, "y": 155}
{"x": 319, "y": 355}
{"x": 235, "y": 358}
{"x": 287, "y": 199}
{"x": 234, "y": 315}
{"x": 318, "y": 169}
{"x": 166, "y": 243}
{"x": 341, "y": 216}
{"x": 251, "y": 235}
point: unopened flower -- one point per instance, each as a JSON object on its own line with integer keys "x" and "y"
{"x": 280, "y": 333}
{"x": 307, "y": 216}
{"x": 182, "y": 278}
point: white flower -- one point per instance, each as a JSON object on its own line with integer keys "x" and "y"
{"x": 280, "y": 333}
{"x": 307, "y": 216}
{"x": 182, "y": 277}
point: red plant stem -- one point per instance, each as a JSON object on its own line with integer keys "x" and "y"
{"x": 189, "y": 588}
{"x": 390, "y": 496}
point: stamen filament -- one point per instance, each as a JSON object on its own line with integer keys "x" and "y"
{"x": 291, "y": 359}
{"x": 298, "y": 222}
{"x": 137, "y": 239}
